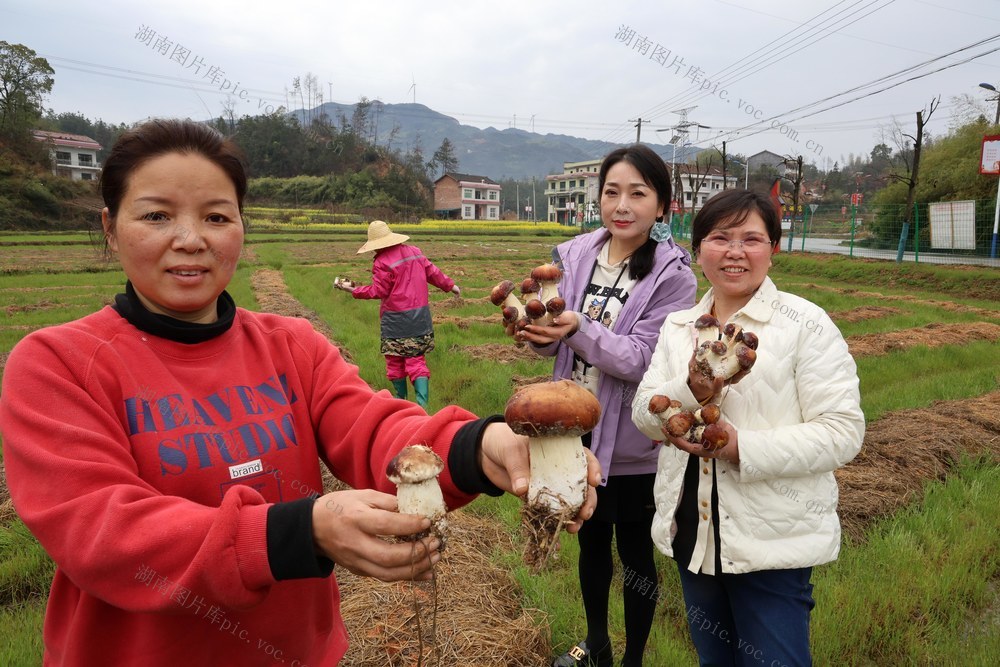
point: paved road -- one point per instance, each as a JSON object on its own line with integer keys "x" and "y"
{"x": 834, "y": 246}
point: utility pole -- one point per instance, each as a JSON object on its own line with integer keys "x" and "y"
{"x": 724, "y": 163}
{"x": 638, "y": 127}
{"x": 795, "y": 197}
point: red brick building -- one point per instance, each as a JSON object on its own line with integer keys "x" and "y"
{"x": 466, "y": 197}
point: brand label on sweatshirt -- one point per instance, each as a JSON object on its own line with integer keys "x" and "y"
{"x": 244, "y": 469}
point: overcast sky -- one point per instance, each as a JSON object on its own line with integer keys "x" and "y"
{"x": 584, "y": 68}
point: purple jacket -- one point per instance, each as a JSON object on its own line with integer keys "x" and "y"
{"x": 622, "y": 354}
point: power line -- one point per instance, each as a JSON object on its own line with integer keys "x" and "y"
{"x": 861, "y": 97}
{"x": 783, "y": 51}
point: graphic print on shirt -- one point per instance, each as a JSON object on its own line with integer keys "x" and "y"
{"x": 603, "y": 304}
{"x": 228, "y": 431}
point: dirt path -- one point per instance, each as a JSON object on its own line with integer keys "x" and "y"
{"x": 947, "y": 305}
{"x": 931, "y": 335}
{"x": 273, "y": 296}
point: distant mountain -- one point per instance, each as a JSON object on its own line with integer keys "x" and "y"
{"x": 497, "y": 154}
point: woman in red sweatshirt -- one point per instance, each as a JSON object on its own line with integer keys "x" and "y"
{"x": 165, "y": 450}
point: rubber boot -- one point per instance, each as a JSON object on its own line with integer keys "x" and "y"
{"x": 421, "y": 389}
{"x": 400, "y": 386}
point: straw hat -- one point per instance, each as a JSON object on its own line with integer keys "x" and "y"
{"x": 379, "y": 237}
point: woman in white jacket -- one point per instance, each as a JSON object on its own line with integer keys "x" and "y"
{"x": 747, "y": 522}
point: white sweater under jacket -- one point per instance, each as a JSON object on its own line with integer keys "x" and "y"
{"x": 798, "y": 417}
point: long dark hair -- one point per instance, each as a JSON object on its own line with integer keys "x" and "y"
{"x": 656, "y": 174}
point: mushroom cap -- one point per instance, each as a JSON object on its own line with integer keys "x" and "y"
{"x": 556, "y": 305}
{"x": 747, "y": 357}
{"x": 414, "y": 464}
{"x": 749, "y": 339}
{"x": 529, "y": 286}
{"x": 714, "y": 437}
{"x": 500, "y": 292}
{"x": 659, "y": 403}
{"x": 706, "y": 321}
{"x": 534, "y": 309}
{"x": 710, "y": 413}
{"x": 560, "y": 408}
{"x": 549, "y": 273}
{"x": 679, "y": 424}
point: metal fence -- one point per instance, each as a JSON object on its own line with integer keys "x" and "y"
{"x": 940, "y": 232}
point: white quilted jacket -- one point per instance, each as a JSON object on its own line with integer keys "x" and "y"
{"x": 798, "y": 417}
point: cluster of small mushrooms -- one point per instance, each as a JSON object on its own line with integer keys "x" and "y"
{"x": 343, "y": 282}
{"x": 723, "y": 353}
{"x": 541, "y": 301}
{"x": 720, "y": 352}
{"x": 700, "y": 427}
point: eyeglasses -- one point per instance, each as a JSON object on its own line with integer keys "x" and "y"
{"x": 751, "y": 244}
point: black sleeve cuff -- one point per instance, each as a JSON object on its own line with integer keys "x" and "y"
{"x": 463, "y": 459}
{"x": 290, "y": 548}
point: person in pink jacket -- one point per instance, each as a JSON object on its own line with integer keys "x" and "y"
{"x": 400, "y": 275}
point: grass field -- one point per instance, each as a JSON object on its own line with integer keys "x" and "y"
{"x": 919, "y": 587}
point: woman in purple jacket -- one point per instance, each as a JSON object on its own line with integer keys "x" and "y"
{"x": 619, "y": 283}
{"x": 400, "y": 275}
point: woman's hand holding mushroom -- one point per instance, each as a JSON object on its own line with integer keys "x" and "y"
{"x": 563, "y": 325}
{"x": 702, "y": 386}
{"x": 504, "y": 460}
{"x": 729, "y": 452}
{"x": 347, "y": 526}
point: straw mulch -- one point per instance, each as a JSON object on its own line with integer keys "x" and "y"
{"x": 936, "y": 303}
{"x": 904, "y": 450}
{"x": 476, "y": 618}
{"x": 863, "y": 313}
{"x": 931, "y": 335}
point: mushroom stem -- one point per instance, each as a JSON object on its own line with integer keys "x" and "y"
{"x": 424, "y": 498}
{"x": 558, "y": 473}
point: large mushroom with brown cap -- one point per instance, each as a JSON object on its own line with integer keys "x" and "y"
{"x": 414, "y": 471}
{"x": 553, "y": 415}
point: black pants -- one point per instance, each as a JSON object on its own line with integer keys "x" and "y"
{"x": 624, "y": 512}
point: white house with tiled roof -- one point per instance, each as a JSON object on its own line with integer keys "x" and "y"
{"x": 73, "y": 155}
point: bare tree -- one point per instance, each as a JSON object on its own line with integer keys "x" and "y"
{"x": 697, "y": 179}
{"x": 911, "y": 161}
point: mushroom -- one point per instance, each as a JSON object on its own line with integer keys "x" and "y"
{"x": 547, "y": 276}
{"x": 414, "y": 471}
{"x": 723, "y": 354}
{"x": 700, "y": 427}
{"x": 530, "y": 289}
{"x": 503, "y": 296}
{"x": 553, "y": 415}
{"x": 342, "y": 283}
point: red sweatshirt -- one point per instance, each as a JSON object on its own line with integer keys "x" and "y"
{"x": 146, "y": 468}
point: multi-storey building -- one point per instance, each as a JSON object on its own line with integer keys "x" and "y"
{"x": 73, "y": 155}
{"x": 574, "y": 198}
{"x": 466, "y": 197}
